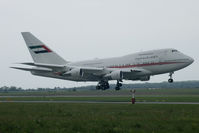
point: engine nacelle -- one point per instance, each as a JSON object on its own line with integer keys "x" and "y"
{"x": 115, "y": 75}
{"x": 76, "y": 73}
{"x": 145, "y": 78}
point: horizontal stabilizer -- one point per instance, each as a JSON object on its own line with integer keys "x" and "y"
{"x": 20, "y": 68}
{"x": 43, "y": 65}
{"x": 33, "y": 69}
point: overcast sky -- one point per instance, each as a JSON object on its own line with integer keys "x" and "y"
{"x": 87, "y": 29}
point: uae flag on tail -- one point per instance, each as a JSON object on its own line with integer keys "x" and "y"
{"x": 38, "y": 49}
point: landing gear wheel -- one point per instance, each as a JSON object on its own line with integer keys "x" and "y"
{"x": 170, "y": 80}
{"x": 102, "y": 85}
{"x": 98, "y": 87}
{"x": 118, "y": 85}
{"x": 117, "y": 88}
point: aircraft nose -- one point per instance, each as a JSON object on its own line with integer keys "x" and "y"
{"x": 191, "y": 60}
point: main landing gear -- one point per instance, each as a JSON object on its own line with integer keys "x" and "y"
{"x": 102, "y": 85}
{"x": 118, "y": 85}
{"x": 170, "y": 79}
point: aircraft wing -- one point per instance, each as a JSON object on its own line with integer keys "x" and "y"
{"x": 102, "y": 72}
{"x": 88, "y": 72}
{"x": 107, "y": 70}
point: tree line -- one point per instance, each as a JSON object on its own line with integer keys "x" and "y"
{"x": 162, "y": 85}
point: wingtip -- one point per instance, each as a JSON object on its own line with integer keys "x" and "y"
{"x": 13, "y": 67}
{"x": 24, "y": 63}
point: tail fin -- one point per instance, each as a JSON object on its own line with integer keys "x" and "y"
{"x": 40, "y": 52}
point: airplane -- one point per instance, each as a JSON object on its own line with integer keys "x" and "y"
{"x": 138, "y": 66}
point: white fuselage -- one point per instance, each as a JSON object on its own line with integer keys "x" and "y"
{"x": 153, "y": 62}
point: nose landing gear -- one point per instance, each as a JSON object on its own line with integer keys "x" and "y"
{"x": 171, "y": 78}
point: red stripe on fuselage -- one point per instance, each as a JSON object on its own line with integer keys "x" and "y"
{"x": 142, "y": 65}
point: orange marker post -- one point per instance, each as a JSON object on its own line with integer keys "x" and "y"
{"x": 133, "y": 96}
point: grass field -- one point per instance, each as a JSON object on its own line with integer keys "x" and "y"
{"x": 123, "y": 92}
{"x": 108, "y": 99}
{"x": 97, "y": 118}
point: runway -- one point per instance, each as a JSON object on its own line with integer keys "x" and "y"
{"x": 100, "y": 102}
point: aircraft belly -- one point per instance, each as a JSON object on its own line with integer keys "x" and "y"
{"x": 86, "y": 77}
{"x": 127, "y": 74}
{"x": 166, "y": 68}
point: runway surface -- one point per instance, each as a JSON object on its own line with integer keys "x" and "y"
{"x": 197, "y": 103}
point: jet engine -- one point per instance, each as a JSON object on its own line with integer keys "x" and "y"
{"x": 145, "y": 78}
{"x": 76, "y": 73}
{"x": 115, "y": 75}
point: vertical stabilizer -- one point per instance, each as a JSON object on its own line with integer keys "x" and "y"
{"x": 40, "y": 52}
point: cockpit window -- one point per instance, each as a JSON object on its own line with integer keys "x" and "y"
{"x": 174, "y": 50}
